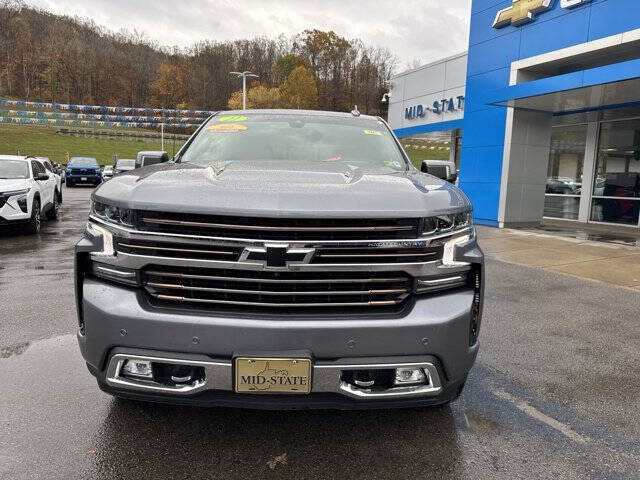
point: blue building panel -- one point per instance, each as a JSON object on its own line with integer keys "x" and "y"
{"x": 491, "y": 53}
{"x": 609, "y": 17}
{"x": 428, "y": 128}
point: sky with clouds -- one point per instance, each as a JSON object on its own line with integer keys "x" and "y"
{"x": 424, "y": 30}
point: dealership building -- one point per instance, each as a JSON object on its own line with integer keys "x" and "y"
{"x": 542, "y": 113}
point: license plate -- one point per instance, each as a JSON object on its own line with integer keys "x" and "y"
{"x": 272, "y": 375}
{"x": 83, "y": 179}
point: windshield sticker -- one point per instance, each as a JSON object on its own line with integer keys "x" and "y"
{"x": 232, "y": 118}
{"x": 227, "y": 128}
{"x": 372, "y": 132}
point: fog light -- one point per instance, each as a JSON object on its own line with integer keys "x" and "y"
{"x": 410, "y": 376}
{"x": 137, "y": 368}
{"x": 182, "y": 374}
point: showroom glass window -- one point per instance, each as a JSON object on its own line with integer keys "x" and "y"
{"x": 564, "y": 175}
{"x": 616, "y": 189}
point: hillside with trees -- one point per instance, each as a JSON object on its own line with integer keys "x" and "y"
{"x": 47, "y": 57}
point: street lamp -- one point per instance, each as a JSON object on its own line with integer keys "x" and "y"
{"x": 386, "y": 97}
{"x": 244, "y": 76}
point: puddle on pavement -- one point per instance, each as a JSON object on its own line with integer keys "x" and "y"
{"x": 613, "y": 237}
{"x": 479, "y": 424}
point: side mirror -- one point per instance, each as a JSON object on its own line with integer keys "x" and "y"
{"x": 41, "y": 177}
{"x": 439, "y": 171}
{"x": 442, "y": 171}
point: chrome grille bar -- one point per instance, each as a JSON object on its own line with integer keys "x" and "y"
{"x": 269, "y": 228}
{"x": 285, "y": 305}
{"x": 175, "y": 249}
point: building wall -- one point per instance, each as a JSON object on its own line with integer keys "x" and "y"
{"x": 488, "y": 135}
{"x": 444, "y": 79}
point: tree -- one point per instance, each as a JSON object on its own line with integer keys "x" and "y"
{"x": 300, "y": 89}
{"x": 283, "y": 67}
{"x": 168, "y": 86}
{"x": 258, "y": 96}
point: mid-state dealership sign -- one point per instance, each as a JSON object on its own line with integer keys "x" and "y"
{"x": 523, "y": 11}
{"x": 438, "y": 107}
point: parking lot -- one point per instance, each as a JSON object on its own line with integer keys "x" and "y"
{"x": 554, "y": 393}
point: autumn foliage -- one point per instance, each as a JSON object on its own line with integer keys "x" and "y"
{"x": 48, "y": 57}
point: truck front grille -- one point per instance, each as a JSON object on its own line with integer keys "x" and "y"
{"x": 288, "y": 229}
{"x": 276, "y": 290}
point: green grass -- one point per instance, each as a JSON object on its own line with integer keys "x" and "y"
{"x": 45, "y": 141}
{"x": 419, "y": 150}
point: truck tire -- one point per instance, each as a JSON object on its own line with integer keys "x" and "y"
{"x": 54, "y": 211}
{"x": 33, "y": 225}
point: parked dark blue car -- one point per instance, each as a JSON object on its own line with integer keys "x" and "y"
{"x": 83, "y": 170}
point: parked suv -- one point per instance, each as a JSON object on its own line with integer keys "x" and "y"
{"x": 83, "y": 170}
{"x": 51, "y": 169}
{"x": 283, "y": 259}
{"x": 27, "y": 190}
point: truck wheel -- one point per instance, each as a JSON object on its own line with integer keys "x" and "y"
{"x": 33, "y": 225}
{"x": 54, "y": 212}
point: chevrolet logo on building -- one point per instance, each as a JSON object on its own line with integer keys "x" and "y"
{"x": 523, "y": 11}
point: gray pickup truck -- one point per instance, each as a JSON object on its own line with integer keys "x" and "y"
{"x": 282, "y": 259}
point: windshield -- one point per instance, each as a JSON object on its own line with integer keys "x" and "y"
{"x": 13, "y": 169}
{"x": 124, "y": 163}
{"x": 358, "y": 142}
{"x": 83, "y": 162}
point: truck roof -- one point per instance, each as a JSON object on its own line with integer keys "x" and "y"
{"x": 283, "y": 111}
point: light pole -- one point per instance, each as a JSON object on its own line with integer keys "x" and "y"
{"x": 244, "y": 76}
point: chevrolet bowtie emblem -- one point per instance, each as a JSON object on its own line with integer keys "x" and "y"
{"x": 277, "y": 256}
{"x": 520, "y": 12}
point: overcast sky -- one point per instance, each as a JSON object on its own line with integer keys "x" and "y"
{"x": 426, "y": 30}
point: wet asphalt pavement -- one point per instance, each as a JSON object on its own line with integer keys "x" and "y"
{"x": 555, "y": 393}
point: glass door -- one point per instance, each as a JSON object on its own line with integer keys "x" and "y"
{"x": 564, "y": 176}
{"x": 616, "y": 189}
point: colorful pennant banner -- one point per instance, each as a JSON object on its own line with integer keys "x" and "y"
{"x": 103, "y": 108}
{"x": 89, "y": 123}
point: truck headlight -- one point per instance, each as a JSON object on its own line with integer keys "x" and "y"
{"x": 112, "y": 214}
{"x": 447, "y": 223}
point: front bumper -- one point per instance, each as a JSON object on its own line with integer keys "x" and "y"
{"x": 120, "y": 321}
{"x": 83, "y": 178}
{"x": 11, "y": 212}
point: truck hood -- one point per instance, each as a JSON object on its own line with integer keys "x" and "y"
{"x": 281, "y": 189}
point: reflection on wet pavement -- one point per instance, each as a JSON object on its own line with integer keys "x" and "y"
{"x": 557, "y": 365}
{"x": 614, "y": 234}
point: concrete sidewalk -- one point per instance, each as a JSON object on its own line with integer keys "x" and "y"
{"x": 605, "y": 262}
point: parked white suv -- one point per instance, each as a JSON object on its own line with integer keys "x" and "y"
{"x": 48, "y": 165}
{"x": 27, "y": 190}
